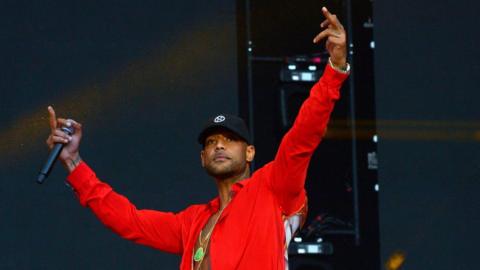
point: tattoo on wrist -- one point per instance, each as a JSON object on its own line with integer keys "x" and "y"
{"x": 74, "y": 162}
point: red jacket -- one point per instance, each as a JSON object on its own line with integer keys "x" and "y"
{"x": 250, "y": 232}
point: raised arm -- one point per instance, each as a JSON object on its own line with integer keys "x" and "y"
{"x": 161, "y": 230}
{"x": 289, "y": 168}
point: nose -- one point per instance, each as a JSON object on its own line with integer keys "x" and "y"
{"x": 220, "y": 144}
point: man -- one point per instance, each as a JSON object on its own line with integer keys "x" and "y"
{"x": 249, "y": 224}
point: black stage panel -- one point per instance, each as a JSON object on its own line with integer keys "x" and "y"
{"x": 142, "y": 77}
{"x": 427, "y": 103}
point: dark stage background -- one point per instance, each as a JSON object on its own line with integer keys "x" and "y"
{"x": 142, "y": 76}
{"x": 427, "y": 96}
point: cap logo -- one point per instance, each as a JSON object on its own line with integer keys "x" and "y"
{"x": 219, "y": 119}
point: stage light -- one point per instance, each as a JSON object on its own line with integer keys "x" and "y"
{"x": 307, "y": 76}
{"x": 301, "y": 68}
{"x": 313, "y": 249}
{"x": 325, "y": 248}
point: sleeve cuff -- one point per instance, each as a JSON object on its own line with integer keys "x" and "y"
{"x": 82, "y": 179}
{"x": 331, "y": 81}
{"x": 335, "y": 77}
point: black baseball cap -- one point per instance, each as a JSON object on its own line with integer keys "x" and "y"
{"x": 229, "y": 122}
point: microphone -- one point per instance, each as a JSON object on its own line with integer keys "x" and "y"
{"x": 52, "y": 157}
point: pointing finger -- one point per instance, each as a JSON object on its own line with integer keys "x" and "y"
{"x": 52, "y": 118}
{"x": 330, "y": 17}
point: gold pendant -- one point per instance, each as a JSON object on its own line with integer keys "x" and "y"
{"x": 199, "y": 254}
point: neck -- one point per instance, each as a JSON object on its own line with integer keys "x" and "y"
{"x": 225, "y": 186}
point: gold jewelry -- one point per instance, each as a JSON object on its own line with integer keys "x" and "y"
{"x": 199, "y": 254}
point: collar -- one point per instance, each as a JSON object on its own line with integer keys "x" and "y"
{"x": 214, "y": 204}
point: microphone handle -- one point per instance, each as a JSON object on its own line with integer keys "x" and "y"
{"x": 52, "y": 157}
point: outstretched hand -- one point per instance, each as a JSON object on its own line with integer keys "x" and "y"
{"x": 69, "y": 155}
{"x": 336, "y": 43}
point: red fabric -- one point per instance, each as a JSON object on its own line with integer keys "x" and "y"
{"x": 250, "y": 233}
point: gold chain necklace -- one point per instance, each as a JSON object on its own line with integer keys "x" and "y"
{"x": 201, "y": 250}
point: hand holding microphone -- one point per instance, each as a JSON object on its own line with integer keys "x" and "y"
{"x": 64, "y": 141}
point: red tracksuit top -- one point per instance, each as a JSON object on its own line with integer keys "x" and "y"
{"x": 250, "y": 232}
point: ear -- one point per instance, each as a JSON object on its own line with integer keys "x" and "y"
{"x": 202, "y": 158}
{"x": 250, "y": 153}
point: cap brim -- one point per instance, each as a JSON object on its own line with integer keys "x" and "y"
{"x": 212, "y": 128}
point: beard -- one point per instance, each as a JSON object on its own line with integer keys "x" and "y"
{"x": 225, "y": 171}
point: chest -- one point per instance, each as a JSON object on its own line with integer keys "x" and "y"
{"x": 209, "y": 226}
{"x": 201, "y": 257}
{"x": 249, "y": 231}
